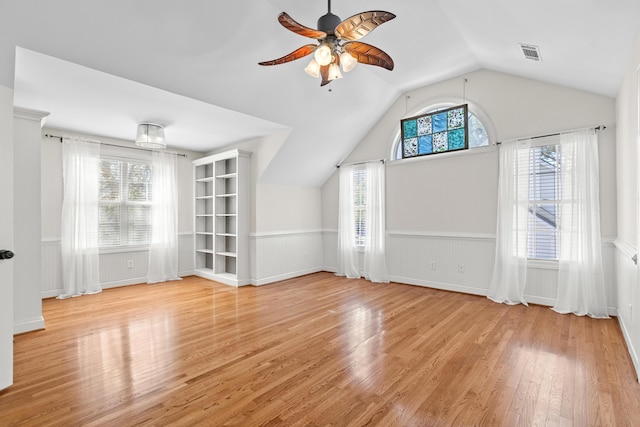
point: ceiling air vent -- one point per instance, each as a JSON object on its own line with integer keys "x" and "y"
{"x": 531, "y": 52}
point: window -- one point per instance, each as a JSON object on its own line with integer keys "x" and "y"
{"x": 544, "y": 202}
{"x": 477, "y": 131}
{"x": 360, "y": 206}
{"x": 125, "y": 202}
{"x": 435, "y": 132}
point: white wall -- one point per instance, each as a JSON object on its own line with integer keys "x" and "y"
{"x": 6, "y": 236}
{"x": 442, "y": 208}
{"x": 114, "y": 269}
{"x": 27, "y": 273}
{"x": 627, "y": 139}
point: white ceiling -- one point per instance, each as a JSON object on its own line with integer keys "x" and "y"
{"x": 101, "y": 66}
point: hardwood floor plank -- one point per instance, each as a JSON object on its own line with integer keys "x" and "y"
{"x": 315, "y": 350}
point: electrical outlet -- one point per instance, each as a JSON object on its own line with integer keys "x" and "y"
{"x": 432, "y": 264}
{"x": 460, "y": 268}
{"x": 130, "y": 263}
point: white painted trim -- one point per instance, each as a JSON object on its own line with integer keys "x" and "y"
{"x": 439, "y": 285}
{"x": 35, "y": 324}
{"x": 627, "y": 249}
{"x": 51, "y": 294}
{"x": 108, "y": 285}
{"x": 51, "y": 240}
{"x": 126, "y": 282}
{"x": 630, "y": 348}
{"x": 291, "y": 275}
{"x": 438, "y": 234}
{"x": 257, "y": 235}
{"x": 30, "y": 114}
{"x": 443, "y": 234}
{"x": 186, "y": 233}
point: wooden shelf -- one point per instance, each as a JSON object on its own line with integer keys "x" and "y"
{"x": 205, "y": 251}
{"x": 229, "y": 254}
{"x": 227, "y": 175}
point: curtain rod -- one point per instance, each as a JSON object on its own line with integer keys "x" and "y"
{"x": 48, "y": 135}
{"x": 361, "y": 163}
{"x": 601, "y": 127}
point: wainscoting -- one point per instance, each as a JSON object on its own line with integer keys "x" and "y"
{"x": 628, "y": 292}
{"x": 116, "y": 268}
{"x": 463, "y": 263}
{"x": 284, "y": 255}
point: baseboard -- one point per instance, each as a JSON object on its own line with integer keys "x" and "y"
{"x": 291, "y": 275}
{"x": 632, "y": 351}
{"x": 548, "y": 302}
{"x": 30, "y": 325}
{"x": 108, "y": 285}
{"x": 126, "y": 282}
{"x": 439, "y": 285}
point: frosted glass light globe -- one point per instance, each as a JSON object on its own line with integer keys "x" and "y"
{"x": 323, "y": 55}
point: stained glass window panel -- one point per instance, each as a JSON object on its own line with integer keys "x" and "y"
{"x": 439, "y": 122}
{"x": 410, "y": 129}
{"x": 410, "y": 147}
{"x": 456, "y": 118}
{"x": 456, "y": 139}
{"x": 440, "y": 142}
{"x": 424, "y": 126}
{"x": 425, "y": 144}
{"x": 435, "y": 132}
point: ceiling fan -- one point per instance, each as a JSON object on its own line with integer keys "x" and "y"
{"x": 338, "y": 45}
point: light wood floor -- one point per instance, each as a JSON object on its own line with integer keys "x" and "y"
{"x": 316, "y": 350}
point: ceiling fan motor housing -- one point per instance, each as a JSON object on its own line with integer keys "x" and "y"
{"x": 328, "y": 23}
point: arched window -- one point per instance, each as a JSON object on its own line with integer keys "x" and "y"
{"x": 480, "y": 131}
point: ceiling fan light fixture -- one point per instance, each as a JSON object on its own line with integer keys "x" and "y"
{"x": 337, "y": 47}
{"x": 347, "y": 61}
{"x": 313, "y": 69}
{"x": 334, "y": 72}
{"x": 323, "y": 55}
{"x": 150, "y": 135}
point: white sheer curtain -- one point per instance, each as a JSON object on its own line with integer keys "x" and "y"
{"x": 580, "y": 279}
{"x": 79, "y": 228}
{"x": 510, "y": 267}
{"x": 347, "y": 251}
{"x": 163, "y": 248}
{"x": 375, "y": 266}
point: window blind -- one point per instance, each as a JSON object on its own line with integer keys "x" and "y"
{"x": 544, "y": 199}
{"x": 125, "y": 202}
{"x": 360, "y": 206}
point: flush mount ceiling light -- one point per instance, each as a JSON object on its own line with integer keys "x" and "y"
{"x": 337, "y": 44}
{"x": 150, "y": 135}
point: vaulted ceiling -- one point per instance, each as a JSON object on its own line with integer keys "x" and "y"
{"x": 101, "y": 66}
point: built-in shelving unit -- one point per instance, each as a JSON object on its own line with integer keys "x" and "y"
{"x": 221, "y": 217}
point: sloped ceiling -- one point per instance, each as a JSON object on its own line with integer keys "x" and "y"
{"x": 101, "y": 66}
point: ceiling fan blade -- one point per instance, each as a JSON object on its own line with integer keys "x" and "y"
{"x": 370, "y": 55}
{"x": 290, "y": 24}
{"x": 358, "y": 26}
{"x": 296, "y": 54}
{"x": 324, "y": 73}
